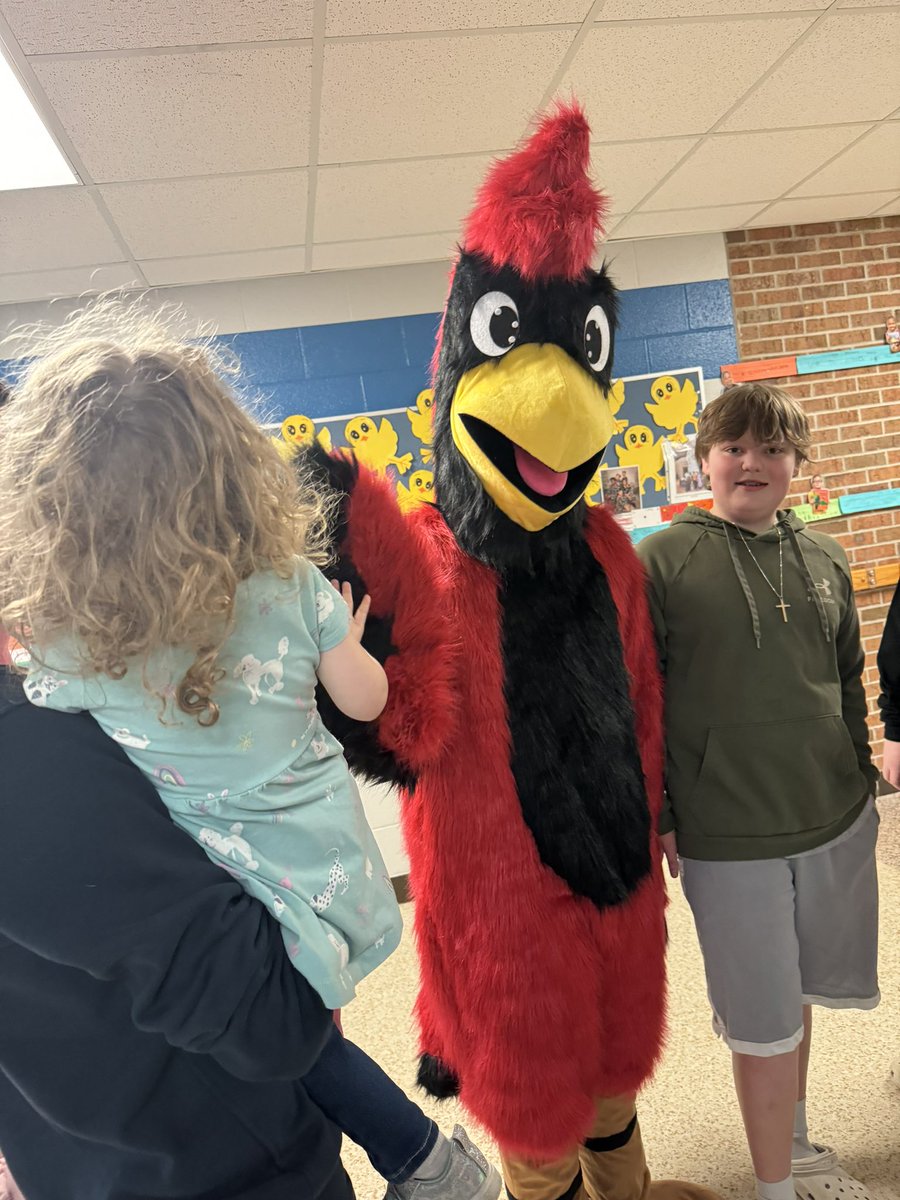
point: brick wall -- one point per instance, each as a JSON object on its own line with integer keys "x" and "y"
{"x": 805, "y": 289}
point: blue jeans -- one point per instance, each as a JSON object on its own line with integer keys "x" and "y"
{"x": 356, "y": 1095}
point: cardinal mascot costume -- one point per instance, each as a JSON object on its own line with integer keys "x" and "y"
{"x": 524, "y": 724}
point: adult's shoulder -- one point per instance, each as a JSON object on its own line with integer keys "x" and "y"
{"x": 52, "y": 755}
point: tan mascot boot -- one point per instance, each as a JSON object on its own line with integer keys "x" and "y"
{"x": 610, "y": 1165}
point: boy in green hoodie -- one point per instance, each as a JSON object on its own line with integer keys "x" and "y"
{"x": 769, "y": 778}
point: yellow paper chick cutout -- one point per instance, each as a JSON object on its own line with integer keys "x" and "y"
{"x": 642, "y": 452}
{"x": 375, "y": 445}
{"x": 594, "y": 489}
{"x": 420, "y": 421}
{"x": 675, "y": 405}
{"x": 420, "y": 491}
{"x": 616, "y": 400}
{"x": 300, "y": 433}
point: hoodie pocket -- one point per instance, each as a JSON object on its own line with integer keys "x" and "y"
{"x": 776, "y": 777}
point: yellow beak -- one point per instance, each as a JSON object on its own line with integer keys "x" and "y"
{"x": 535, "y": 399}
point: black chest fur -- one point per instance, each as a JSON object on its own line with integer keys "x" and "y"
{"x": 575, "y": 756}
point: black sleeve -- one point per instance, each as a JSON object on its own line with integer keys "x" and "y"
{"x": 95, "y": 875}
{"x": 889, "y": 671}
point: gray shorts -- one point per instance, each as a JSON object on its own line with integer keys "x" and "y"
{"x": 783, "y": 932}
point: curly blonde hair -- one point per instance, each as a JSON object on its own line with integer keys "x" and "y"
{"x": 136, "y": 493}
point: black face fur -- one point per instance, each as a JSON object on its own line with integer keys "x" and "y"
{"x": 549, "y": 311}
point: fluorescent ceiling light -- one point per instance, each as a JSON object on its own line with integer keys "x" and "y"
{"x": 29, "y": 157}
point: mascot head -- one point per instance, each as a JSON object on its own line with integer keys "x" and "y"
{"x": 524, "y": 358}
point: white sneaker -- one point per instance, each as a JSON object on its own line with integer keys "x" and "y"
{"x": 467, "y": 1176}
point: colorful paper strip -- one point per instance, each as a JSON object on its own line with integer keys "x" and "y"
{"x": 845, "y": 360}
{"x": 761, "y": 368}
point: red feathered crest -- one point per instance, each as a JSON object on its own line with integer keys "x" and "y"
{"x": 537, "y": 210}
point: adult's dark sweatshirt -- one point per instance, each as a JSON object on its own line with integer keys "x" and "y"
{"x": 889, "y": 671}
{"x": 153, "y": 1033}
{"x": 766, "y": 737}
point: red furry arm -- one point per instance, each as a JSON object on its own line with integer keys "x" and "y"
{"x": 397, "y": 558}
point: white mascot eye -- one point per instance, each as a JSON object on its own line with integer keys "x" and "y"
{"x": 494, "y": 324}
{"x": 596, "y": 339}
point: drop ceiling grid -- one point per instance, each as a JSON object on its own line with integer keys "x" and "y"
{"x": 711, "y": 121}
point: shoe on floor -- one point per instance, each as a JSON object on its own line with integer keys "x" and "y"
{"x": 835, "y": 1185}
{"x": 467, "y": 1176}
{"x": 823, "y": 1161}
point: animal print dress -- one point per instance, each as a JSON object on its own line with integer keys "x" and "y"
{"x": 266, "y": 790}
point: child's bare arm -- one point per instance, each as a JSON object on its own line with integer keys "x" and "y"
{"x": 354, "y": 680}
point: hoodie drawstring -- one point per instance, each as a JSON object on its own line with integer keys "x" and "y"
{"x": 814, "y": 591}
{"x": 804, "y": 568}
{"x": 742, "y": 578}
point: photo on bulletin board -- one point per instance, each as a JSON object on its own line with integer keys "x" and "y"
{"x": 620, "y": 488}
{"x": 648, "y": 411}
{"x": 684, "y": 478}
{"x": 821, "y": 501}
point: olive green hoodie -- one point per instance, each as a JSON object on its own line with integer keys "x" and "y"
{"x": 766, "y": 737}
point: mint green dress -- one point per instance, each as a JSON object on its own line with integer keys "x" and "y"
{"x": 266, "y": 790}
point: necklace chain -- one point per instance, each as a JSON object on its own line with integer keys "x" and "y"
{"x": 779, "y": 591}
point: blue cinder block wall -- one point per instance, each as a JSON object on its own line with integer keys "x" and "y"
{"x": 364, "y": 366}
{"x": 329, "y": 370}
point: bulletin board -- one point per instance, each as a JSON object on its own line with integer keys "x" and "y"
{"x": 646, "y": 464}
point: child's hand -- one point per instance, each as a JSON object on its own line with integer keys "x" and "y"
{"x": 670, "y": 850}
{"x": 890, "y": 767}
{"x": 358, "y": 618}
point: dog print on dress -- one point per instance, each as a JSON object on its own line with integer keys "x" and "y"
{"x": 231, "y": 846}
{"x": 137, "y": 741}
{"x": 39, "y": 690}
{"x": 255, "y": 673}
{"x": 337, "y": 877}
{"x": 324, "y": 605}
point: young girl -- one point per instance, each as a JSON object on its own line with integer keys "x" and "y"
{"x": 157, "y": 556}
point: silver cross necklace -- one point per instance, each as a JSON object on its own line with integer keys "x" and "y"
{"x": 779, "y": 591}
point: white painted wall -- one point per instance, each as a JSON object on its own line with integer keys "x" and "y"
{"x": 329, "y": 297}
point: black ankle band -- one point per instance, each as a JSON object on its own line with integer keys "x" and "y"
{"x": 615, "y": 1141}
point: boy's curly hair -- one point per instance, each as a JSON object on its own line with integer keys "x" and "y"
{"x": 136, "y": 493}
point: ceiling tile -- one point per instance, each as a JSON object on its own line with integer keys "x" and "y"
{"x": 383, "y": 252}
{"x": 208, "y": 216}
{"x": 136, "y": 117}
{"x": 352, "y": 18}
{"x": 391, "y": 199}
{"x": 628, "y": 170}
{"x": 872, "y": 164}
{"x": 848, "y": 69}
{"x": 821, "y": 208}
{"x": 247, "y": 265}
{"x": 671, "y": 77}
{"x": 690, "y": 220}
{"x": 49, "y": 228}
{"x": 635, "y": 10}
{"x": 61, "y": 26}
{"x": 737, "y": 167}
{"x": 70, "y": 281}
{"x": 447, "y": 95}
